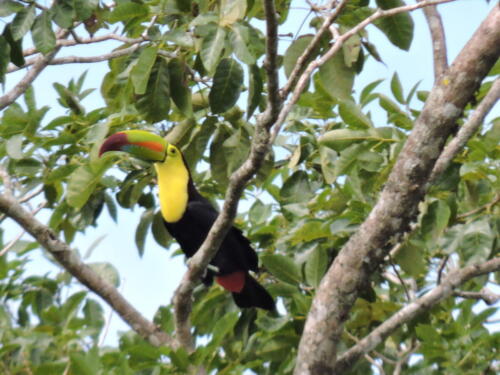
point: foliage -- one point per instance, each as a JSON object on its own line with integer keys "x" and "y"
{"x": 197, "y": 64}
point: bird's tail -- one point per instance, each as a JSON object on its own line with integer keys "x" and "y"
{"x": 254, "y": 295}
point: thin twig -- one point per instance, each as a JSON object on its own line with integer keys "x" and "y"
{"x": 7, "y": 182}
{"x": 81, "y": 59}
{"x": 12, "y": 243}
{"x": 453, "y": 280}
{"x": 442, "y": 265}
{"x": 486, "y": 207}
{"x": 404, "y": 358}
{"x": 436, "y": 28}
{"x": 484, "y": 294}
{"x": 71, "y": 43}
{"x": 306, "y": 55}
{"x": 303, "y": 79}
{"x": 39, "y": 64}
{"x": 30, "y": 195}
{"x": 466, "y": 131}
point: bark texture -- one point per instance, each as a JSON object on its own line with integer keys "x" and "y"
{"x": 398, "y": 203}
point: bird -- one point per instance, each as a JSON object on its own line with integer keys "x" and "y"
{"x": 188, "y": 217}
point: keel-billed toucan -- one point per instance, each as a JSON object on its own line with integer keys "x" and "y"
{"x": 188, "y": 216}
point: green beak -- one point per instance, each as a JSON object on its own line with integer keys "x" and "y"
{"x": 139, "y": 143}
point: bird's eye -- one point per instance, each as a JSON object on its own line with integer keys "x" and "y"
{"x": 172, "y": 151}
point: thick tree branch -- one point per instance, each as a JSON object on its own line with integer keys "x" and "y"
{"x": 436, "y": 28}
{"x": 72, "y": 263}
{"x": 398, "y": 203}
{"x": 237, "y": 182}
{"x": 467, "y": 130}
{"x": 453, "y": 280}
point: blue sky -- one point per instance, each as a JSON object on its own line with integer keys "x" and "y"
{"x": 149, "y": 281}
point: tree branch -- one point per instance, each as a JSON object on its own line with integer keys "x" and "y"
{"x": 484, "y": 294}
{"x": 466, "y": 131}
{"x": 237, "y": 182}
{"x": 339, "y": 41}
{"x": 436, "y": 28}
{"x": 453, "y": 280}
{"x": 398, "y": 202}
{"x": 72, "y": 263}
{"x": 80, "y": 59}
{"x": 39, "y": 64}
{"x": 94, "y": 39}
{"x": 306, "y": 55}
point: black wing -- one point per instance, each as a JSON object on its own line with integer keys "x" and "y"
{"x": 191, "y": 230}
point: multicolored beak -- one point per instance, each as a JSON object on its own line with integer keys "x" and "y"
{"x": 139, "y": 143}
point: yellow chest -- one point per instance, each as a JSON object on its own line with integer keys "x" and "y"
{"x": 173, "y": 180}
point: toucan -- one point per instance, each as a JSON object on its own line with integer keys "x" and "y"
{"x": 188, "y": 217}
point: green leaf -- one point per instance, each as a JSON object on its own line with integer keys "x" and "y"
{"x": 160, "y": 233}
{"x": 337, "y": 78}
{"x": 94, "y": 317}
{"x": 351, "y": 49}
{"x": 398, "y": 28}
{"x": 110, "y": 204}
{"x": 139, "y": 75}
{"x": 42, "y": 33}
{"x": 477, "y": 242}
{"x": 81, "y": 185}
{"x": 85, "y": 363}
{"x": 296, "y": 188}
{"x": 63, "y": 13}
{"x": 339, "y": 139}
{"x": 224, "y": 327}
{"x": 282, "y": 267}
{"x": 259, "y": 213}
{"x": 365, "y": 96}
{"x": 85, "y": 8}
{"x": 227, "y": 85}
{"x": 14, "y": 146}
{"x": 255, "y": 90}
{"x": 436, "y": 219}
{"x": 295, "y": 50}
{"x": 231, "y": 11}
{"x": 410, "y": 258}
{"x": 4, "y": 58}
{"x": 247, "y": 44}
{"x": 155, "y": 103}
{"x": 181, "y": 95}
{"x": 397, "y": 89}
{"x": 22, "y": 22}
{"x": 142, "y": 230}
{"x": 327, "y": 160}
{"x": 211, "y": 48}
{"x": 107, "y": 272}
{"x": 8, "y": 7}
{"x": 125, "y": 11}
{"x": 60, "y": 173}
{"x": 352, "y": 115}
{"x": 316, "y": 266}
{"x": 309, "y": 231}
{"x": 16, "y": 47}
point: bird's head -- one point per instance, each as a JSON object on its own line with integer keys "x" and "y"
{"x": 140, "y": 144}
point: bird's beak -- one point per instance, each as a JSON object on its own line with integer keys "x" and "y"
{"x": 139, "y": 143}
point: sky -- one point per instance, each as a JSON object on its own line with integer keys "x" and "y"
{"x": 149, "y": 282}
